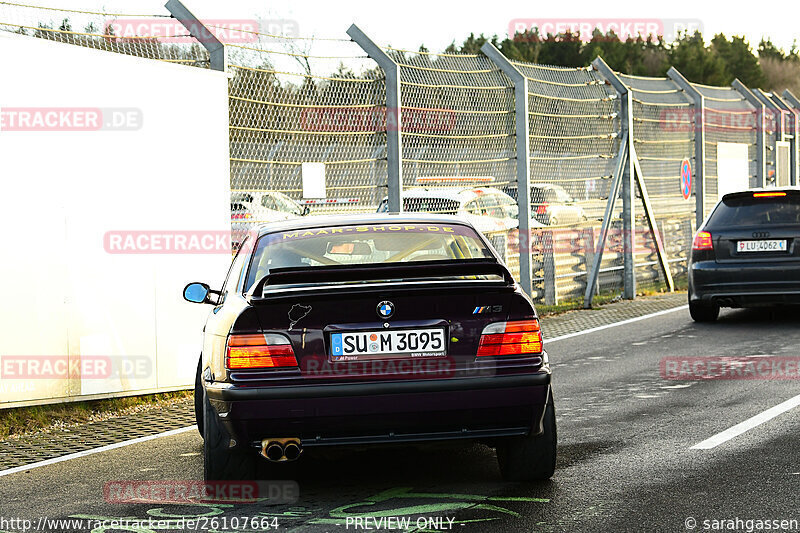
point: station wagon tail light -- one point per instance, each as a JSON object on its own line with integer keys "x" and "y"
{"x": 768, "y": 194}
{"x": 521, "y": 337}
{"x": 702, "y": 241}
{"x": 245, "y": 352}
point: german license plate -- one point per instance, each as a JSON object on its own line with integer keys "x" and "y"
{"x": 761, "y": 246}
{"x": 359, "y": 345}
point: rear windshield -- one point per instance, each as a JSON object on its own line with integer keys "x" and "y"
{"x": 367, "y": 244}
{"x": 749, "y": 211}
{"x": 241, "y": 197}
{"x": 439, "y": 206}
{"x": 539, "y": 195}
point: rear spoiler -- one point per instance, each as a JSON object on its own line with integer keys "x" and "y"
{"x": 381, "y": 271}
{"x": 762, "y": 193}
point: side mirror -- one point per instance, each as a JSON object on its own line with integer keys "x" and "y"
{"x": 197, "y": 293}
{"x": 306, "y": 210}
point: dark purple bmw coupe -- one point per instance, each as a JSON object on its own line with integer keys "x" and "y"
{"x": 371, "y": 329}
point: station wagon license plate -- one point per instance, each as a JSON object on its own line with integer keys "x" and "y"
{"x": 774, "y": 245}
{"x": 360, "y": 345}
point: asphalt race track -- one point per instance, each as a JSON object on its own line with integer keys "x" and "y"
{"x": 626, "y": 461}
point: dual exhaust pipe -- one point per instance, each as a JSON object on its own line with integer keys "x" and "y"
{"x": 281, "y": 450}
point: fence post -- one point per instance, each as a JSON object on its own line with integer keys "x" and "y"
{"x": 523, "y": 167}
{"x": 628, "y": 205}
{"x": 628, "y": 191}
{"x": 198, "y": 30}
{"x": 765, "y": 99}
{"x": 590, "y": 249}
{"x": 761, "y": 144}
{"x": 773, "y": 103}
{"x": 549, "y": 242}
{"x": 394, "y": 144}
{"x": 651, "y": 222}
{"x": 793, "y": 106}
{"x": 613, "y": 192}
{"x": 699, "y": 142}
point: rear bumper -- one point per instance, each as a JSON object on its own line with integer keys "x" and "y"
{"x": 745, "y": 284}
{"x": 368, "y": 413}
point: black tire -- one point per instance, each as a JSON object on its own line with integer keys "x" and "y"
{"x": 703, "y": 312}
{"x": 220, "y": 461}
{"x": 198, "y": 397}
{"x": 533, "y": 457}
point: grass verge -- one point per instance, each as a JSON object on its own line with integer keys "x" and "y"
{"x": 610, "y": 296}
{"x": 21, "y": 420}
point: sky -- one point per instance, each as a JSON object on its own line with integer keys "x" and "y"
{"x": 436, "y": 23}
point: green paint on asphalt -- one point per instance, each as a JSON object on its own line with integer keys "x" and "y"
{"x": 449, "y": 503}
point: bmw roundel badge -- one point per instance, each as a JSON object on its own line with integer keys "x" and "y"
{"x": 385, "y": 309}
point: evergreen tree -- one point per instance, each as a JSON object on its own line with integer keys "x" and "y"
{"x": 740, "y": 62}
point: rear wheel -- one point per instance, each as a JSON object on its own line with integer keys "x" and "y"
{"x": 533, "y": 457}
{"x": 703, "y": 312}
{"x": 220, "y": 461}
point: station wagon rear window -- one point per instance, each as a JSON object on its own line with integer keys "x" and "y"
{"x": 364, "y": 244}
{"x": 750, "y": 211}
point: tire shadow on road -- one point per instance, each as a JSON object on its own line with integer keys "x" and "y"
{"x": 758, "y": 315}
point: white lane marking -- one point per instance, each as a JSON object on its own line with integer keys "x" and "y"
{"x": 747, "y": 425}
{"x": 615, "y": 324}
{"x": 93, "y": 451}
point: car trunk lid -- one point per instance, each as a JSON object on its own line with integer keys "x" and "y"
{"x": 410, "y": 321}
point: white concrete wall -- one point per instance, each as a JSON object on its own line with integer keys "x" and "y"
{"x": 61, "y": 191}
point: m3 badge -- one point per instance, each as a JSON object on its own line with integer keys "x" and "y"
{"x": 488, "y": 309}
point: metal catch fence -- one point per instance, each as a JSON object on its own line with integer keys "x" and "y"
{"x": 587, "y": 181}
{"x": 574, "y": 138}
{"x": 663, "y": 135}
{"x": 113, "y": 32}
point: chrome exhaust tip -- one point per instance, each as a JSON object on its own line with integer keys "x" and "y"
{"x": 272, "y": 451}
{"x": 280, "y": 450}
{"x": 292, "y": 450}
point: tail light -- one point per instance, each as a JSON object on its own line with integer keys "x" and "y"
{"x": 542, "y": 209}
{"x": 241, "y": 216}
{"x": 702, "y": 241}
{"x": 521, "y": 337}
{"x": 768, "y": 194}
{"x": 259, "y": 351}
